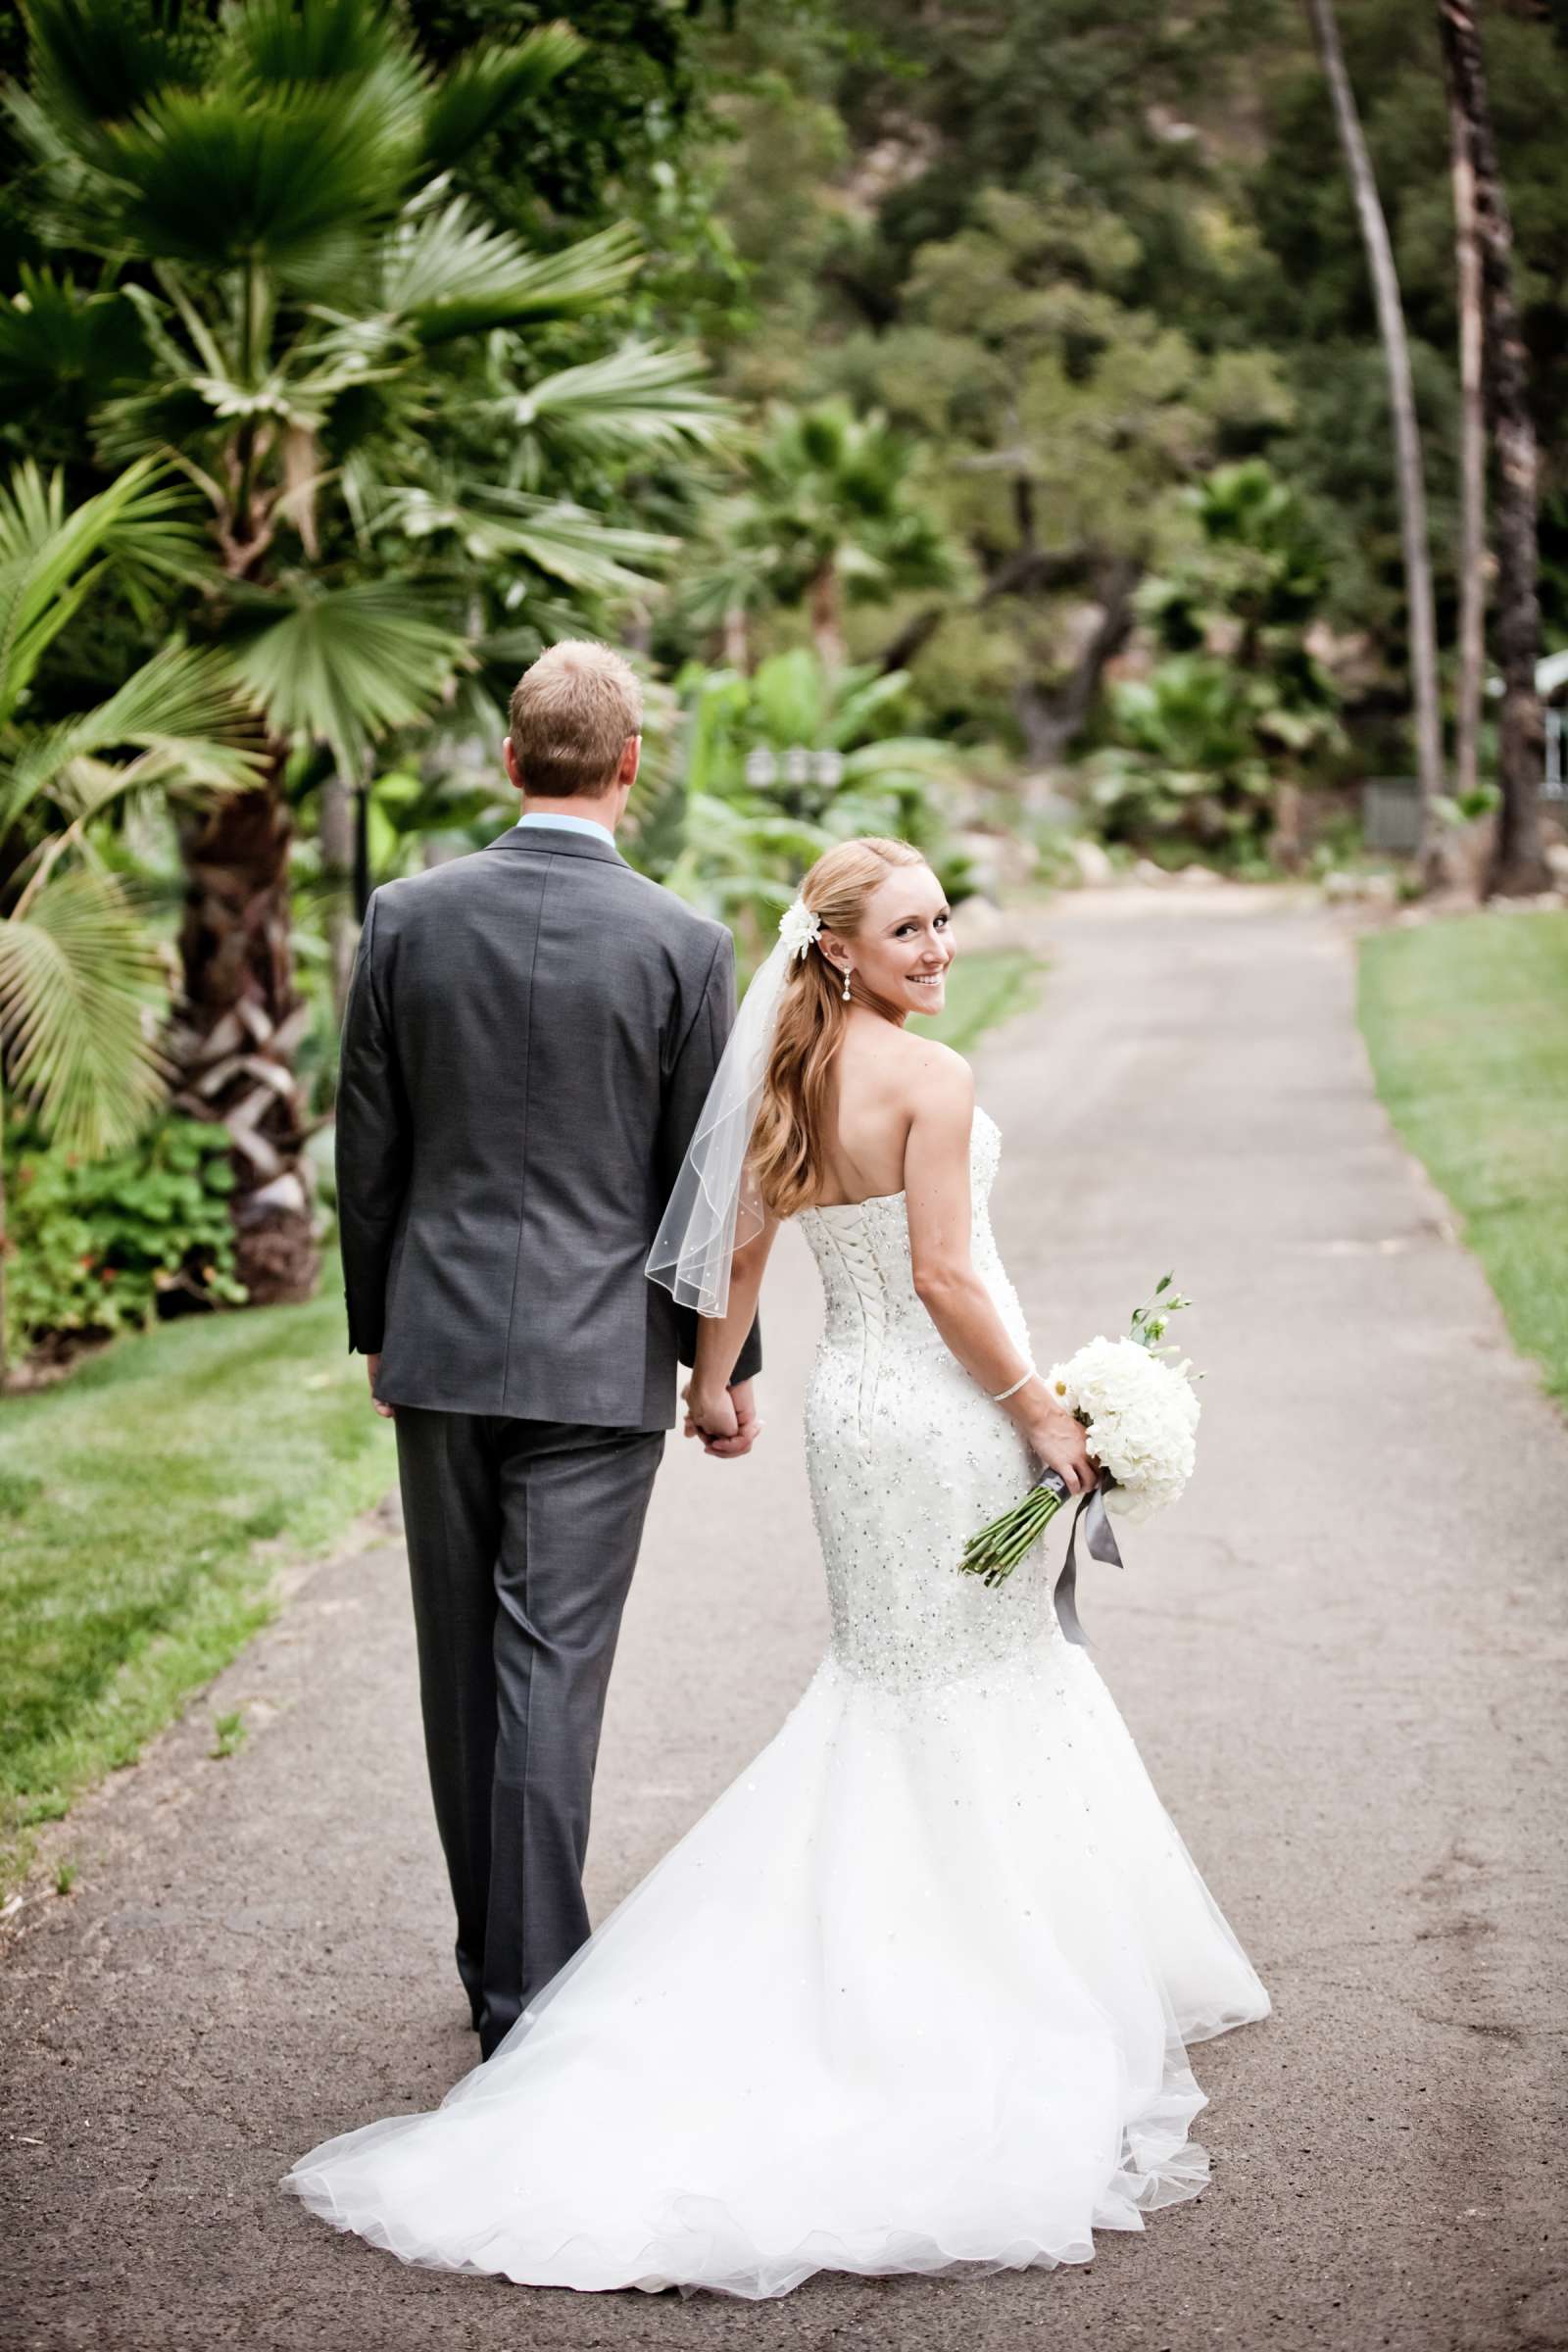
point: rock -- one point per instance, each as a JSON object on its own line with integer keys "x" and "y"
{"x": 1150, "y": 875}
{"x": 998, "y": 861}
{"x": 1197, "y": 876}
{"x": 980, "y": 919}
{"x": 1379, "y": 890}
{"x": 1094, "y": 869}
{"x": 1556, "y": 856}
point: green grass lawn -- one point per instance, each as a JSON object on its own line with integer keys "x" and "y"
{"x": 984, "y": 987}
{"x": 1467, "y": 1026}
{"x": 133, "y": 1500}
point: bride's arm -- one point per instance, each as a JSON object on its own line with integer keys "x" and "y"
{"x": 720, "y": 1338}
{"x": 936, "y": 1184}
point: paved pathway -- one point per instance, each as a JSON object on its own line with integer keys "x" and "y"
{"x": 1341, "y": 1658}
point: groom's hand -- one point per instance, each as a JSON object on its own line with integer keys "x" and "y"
{"x": 372, "y": 1366}
{"x": 727, "y": 1424}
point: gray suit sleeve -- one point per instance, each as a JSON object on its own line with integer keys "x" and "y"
{"x": 685, "y": 1093}
{"x": 373, "y": 1148}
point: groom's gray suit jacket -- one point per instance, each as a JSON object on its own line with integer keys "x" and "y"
{"x": 530, "y": 1033}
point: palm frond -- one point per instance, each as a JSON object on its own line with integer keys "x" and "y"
{"x": 446, "y": 273}
{"x": 181, "y": 717}
{"x": 55, "y": 338}
{"x": 642, "y": 400}
{"x": 567, "y": 542}
{"x": 46, "y": 555}
{"x": 81, "y": 986}
{"x": 478, "y": 88}
{"x": 294, "y": 175}
{"x": 345, "y": 666}
{"x": 96, "y": 62}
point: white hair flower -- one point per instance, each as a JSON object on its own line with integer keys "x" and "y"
{"x": 798, "y": 927}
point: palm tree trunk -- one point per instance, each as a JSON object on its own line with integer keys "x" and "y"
{"x": 1402, "y": 395}
{"x": 3, "y": 1244}
{"x": 336, "y": 835}
{"x": 827, "y": 621}
{"x": 737, "y": 638}
{"x": 239, "y": 1025}
{"x": 1518, "y": 864}
{"x": 1472, "y": 467}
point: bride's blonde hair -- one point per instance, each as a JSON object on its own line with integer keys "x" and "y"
{"x": 786, "y": 1150}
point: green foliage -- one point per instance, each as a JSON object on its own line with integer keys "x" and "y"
{"x": 96, "y": 1245}
{"x": 767, "y": 771}
{"x": 1237, "y": 702}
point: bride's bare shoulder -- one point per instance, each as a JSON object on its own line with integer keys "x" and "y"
{"x": 932, "y": 1077}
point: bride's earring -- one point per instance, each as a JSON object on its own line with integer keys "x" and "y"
{"x": 847, "y": 971}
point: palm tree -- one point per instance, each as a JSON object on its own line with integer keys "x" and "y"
{"x": 271, "y": 191}
{"x": 1518, "y": 864}
{"x": 829, "y": 511}
{"x": 81, "y": 981}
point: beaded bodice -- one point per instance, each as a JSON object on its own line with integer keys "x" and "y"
{"x": 907, "y": 1456}
{"x": 862, "y": 1252}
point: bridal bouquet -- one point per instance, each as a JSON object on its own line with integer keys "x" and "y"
{"x": 1141, "y": 1413}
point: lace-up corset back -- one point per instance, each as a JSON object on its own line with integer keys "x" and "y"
{"x": 907, "y": 1456}
{"x": 861, "y": 1249}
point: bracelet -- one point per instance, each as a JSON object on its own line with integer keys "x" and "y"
{"x": 1027, "y": 1374}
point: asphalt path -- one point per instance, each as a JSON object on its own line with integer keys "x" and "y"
{"x": 1341, "y": 1658}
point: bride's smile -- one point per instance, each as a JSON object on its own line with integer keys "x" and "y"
{"x": 896, "y": 961}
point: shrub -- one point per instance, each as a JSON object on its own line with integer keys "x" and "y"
{"x": 105, "y": 1244}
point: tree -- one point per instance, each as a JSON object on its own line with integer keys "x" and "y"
{"x": 80, "y": 977}
{"x": 270, "y": 193}
{"x": 829, "y": 512}
{"x": 1470, "y": 676}
{"x": 1062, "y": 415}
{"x": 1402, "y": 400}
{"x": 1518, "y": 864}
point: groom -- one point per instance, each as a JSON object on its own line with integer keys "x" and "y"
{"x": 530, "y": 1033}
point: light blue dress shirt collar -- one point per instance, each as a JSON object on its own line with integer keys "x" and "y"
{"x": 569, "y": 824}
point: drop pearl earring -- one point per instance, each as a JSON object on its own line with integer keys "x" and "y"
{"x": 847, "y": 976}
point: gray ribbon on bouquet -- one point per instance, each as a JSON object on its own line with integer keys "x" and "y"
{"x": 1101, "y": 1540}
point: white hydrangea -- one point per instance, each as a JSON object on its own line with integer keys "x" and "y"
{"x": 798, "y": 927}
{"x": 1142, "y": 1414}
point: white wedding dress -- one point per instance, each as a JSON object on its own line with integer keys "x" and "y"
{"x": 914, "y": 1994}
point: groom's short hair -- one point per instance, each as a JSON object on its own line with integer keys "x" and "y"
{"x": 572, "y": 714}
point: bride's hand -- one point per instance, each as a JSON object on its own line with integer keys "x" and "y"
{"x": 710, "y": 1415}
{"x": 1061, "y": 1442}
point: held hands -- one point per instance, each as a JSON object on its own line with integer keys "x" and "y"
{"x": 725, "y": 1420}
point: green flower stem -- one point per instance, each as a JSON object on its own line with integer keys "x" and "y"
{"x": 994, "y": 1552}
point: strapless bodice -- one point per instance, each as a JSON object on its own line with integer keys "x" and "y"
{"x": 861, "y": 1249}
{"x": 907, "y": 1456}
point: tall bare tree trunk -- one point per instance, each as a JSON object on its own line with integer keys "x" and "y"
{"x": 1472, "y": 467}
{"x": 1048, "y": 720}
{"x": 1401, "y": 399}
{"x": 827, "y": 620}
{"x": 238, "y": 1028}
{"x": 1518, "y": 864}
{"x": 737, "y": 638}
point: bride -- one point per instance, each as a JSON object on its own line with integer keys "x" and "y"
{"x": 914, "y": 1995}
